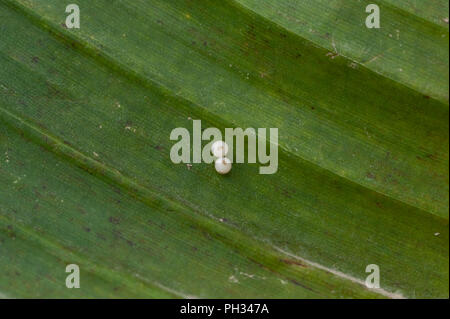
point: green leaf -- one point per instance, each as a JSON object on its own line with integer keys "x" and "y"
{"x": 86, "y": 176}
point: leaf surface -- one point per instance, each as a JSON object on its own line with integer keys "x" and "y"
{"x": 86, "y": 117}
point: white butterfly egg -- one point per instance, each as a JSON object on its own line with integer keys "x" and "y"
{"x": 222, "y": 165}
{"x": 219, "y": 149}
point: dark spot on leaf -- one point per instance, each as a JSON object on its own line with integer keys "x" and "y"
{"x": 114, "y": 220}
{"x": 251, "y": 32}
{"x": 286, "y": 193}
{"x": 370, "y": 176}
{"x": 295, "y": 282}
{"x": 12, "y": 235}
{"x": 35, "y": 59}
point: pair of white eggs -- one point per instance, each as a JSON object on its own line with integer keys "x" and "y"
{"x": 222, "y": 164}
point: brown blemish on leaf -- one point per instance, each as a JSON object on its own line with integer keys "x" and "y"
{"x": 294, "y": 262}
{"x": 67, "y": 143}
{"x": 11, "y": 234}
{"x": 369, "y": 175}
{"x": 251, "y": 32}
{"x": 114, "y": 220}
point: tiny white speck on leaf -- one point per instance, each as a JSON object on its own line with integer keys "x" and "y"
{"x": 233, "y": 279}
